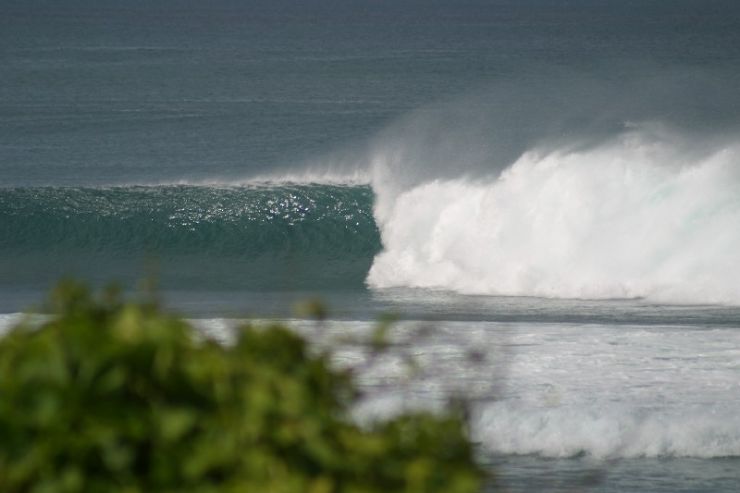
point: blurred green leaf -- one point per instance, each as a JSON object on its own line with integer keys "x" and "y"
{"x": 109, "y": 396}
{"x": 315, "y": 309}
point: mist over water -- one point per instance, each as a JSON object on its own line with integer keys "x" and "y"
{"x": 633, "y": 217}
{"x": 617, "y": 182}
{"x": 566, "y": 186}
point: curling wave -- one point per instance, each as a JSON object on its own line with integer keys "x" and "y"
{"x": 268, "y": 235}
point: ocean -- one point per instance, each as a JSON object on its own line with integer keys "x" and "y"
{"x": 548, "y": 191}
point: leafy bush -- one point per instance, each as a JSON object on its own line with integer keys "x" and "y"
{"x": 109, "y": 396}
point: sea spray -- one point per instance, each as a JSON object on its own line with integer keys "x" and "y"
{"x": 633, "y": 217}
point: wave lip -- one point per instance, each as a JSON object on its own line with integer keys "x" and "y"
{"x": 636, "y": 217}
{"x": 302, "y": 178}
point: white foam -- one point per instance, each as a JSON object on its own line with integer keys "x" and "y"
{"x": 619, "y": 432}
{"x": 9, "y": 320}
{"x": 555, "y": 390}
{"x": 306, "y": 177}
{"x": 341, "y": 174}
{"x": 639, "y": 216}
{"x": 314, "y": 176}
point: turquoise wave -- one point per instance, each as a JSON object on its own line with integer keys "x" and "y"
{"x": 196, "y": 234}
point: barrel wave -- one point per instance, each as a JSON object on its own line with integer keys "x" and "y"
{"x": 551, "y": 184}
{"x": 254, "y": 236}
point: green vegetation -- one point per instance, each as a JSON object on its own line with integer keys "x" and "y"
{"x": 114, "y": 396}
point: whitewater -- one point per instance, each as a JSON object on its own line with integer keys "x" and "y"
{"x": 639, "y": 216}
{"x": 545, "y": 195}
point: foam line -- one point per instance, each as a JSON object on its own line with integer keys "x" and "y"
{"x": 607, "y": 434}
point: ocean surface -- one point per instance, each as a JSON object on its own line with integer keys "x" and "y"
{"x": 544, "y": 193}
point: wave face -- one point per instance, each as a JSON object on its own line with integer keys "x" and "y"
{"x": 642, "y": 214}
{"x": 259, "y": 235}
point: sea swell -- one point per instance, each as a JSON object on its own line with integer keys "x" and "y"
{"x": 553, "y": 184}
{"x": 644, "y": 214}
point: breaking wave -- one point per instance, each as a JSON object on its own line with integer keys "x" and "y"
{"x": 642, "y": 214}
